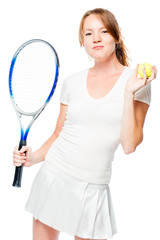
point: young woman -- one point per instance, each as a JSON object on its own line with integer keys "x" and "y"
{"x": 101, "y": 107}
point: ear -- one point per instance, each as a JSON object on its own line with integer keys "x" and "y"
{"x": 118, "y": 41}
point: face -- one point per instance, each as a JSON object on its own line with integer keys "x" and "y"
{"x": 98, "y": 43}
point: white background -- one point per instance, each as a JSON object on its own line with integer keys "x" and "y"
{"x": 135, "y": 178}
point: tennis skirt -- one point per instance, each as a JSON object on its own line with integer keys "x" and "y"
{"x": 71, "y": 205}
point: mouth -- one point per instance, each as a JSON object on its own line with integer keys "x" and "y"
{"x": 97, "y": 47}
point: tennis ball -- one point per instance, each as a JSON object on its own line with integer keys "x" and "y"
{"x": 147, "y": 68}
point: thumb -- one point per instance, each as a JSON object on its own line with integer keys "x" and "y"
{"x": 136, "y": 71}
{"x": 24, "y": 149}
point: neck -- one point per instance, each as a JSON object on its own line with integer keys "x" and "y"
{"x": 109, "y": 66}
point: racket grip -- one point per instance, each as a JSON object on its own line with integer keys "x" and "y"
{"x": 19, "y": 170}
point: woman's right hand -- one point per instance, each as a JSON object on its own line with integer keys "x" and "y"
{"x": 20, "y": 157}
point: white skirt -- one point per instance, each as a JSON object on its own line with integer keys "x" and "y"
{"x": 71, "y": 205}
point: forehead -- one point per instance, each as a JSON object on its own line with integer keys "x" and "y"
{"x": 92, "y": 21}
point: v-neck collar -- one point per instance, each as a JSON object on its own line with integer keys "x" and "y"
{"x": 108, "y": 94}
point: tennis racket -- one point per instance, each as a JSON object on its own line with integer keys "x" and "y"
{"x": 33, "y": 77}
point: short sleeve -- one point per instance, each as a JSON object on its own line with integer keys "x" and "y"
{"x": 144, "y": 94}
{"x": 65, "y": 91}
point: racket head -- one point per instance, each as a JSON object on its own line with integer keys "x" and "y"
{"x": 33, "y": 76}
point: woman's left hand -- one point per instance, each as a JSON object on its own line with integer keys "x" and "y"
{"x": 134, "y": 83}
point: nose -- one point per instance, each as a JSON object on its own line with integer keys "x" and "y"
{"x": 96, "y": 38}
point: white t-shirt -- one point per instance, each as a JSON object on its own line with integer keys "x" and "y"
{"x": 90, "y": 136}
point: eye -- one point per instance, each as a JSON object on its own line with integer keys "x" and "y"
{"x": 88, "y": 34}
{"x": 104, "y": 31}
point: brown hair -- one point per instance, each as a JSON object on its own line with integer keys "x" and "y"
{"x": 113, "y": 28}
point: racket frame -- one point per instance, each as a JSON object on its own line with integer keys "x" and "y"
{"x": 19, "y": 112}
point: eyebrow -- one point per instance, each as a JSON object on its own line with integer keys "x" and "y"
{"x": 89, "y": 29}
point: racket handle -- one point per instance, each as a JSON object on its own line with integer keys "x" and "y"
{"x": 18, "y": 170}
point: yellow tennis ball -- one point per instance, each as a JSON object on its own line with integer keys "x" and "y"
{"x": 147, "y": 68}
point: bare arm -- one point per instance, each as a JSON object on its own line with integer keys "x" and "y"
{"x": 134, "y": 113}
{"x": 39, "y": 155}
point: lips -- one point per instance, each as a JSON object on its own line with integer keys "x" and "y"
{"x": 98, "y": 47}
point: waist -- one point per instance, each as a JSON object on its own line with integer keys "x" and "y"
{"x": 90, "y": 160}
{"x": 96, "y": 177}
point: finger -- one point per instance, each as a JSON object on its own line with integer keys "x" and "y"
{"x": 144, "y": 74}
{"x": 154, "y": 69}
{"x": 15, "y": 156}
{"x": 19, "y": 161}
{"x": 153, "y": 74}
{"x": 15, "y": 150}
{"x": 18, "y": 153}
{"x": 17, "y": 164}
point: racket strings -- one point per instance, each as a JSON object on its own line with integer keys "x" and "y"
{"x": 33, "y": 76}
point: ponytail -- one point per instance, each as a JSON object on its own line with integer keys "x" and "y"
{"x": 121, "y": 53}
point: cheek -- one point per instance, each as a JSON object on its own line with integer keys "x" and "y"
{"x": 113, "y": 46}
{"x": 110, "y": 44}
{"x": 87, "y": 46}
{"x": 111, "y": 41}
{"x": 87, "y": 42}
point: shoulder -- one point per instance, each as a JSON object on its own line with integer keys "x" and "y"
{"x": 75, "y": 78}
{"x": 77, "y": 75}
{"x": 127, "y": 74}
{"x": 129, "y": 71}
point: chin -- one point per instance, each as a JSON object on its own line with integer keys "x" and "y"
{"x": 100, "y": 59}
{"x": 103, "y": 57}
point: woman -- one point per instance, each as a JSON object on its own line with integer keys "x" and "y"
{"x": 101, "y": 107}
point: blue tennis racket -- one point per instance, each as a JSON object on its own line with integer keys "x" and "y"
{"x": 33, "y": 78}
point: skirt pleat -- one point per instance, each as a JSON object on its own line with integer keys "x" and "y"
{"x": 71, "y": 205}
